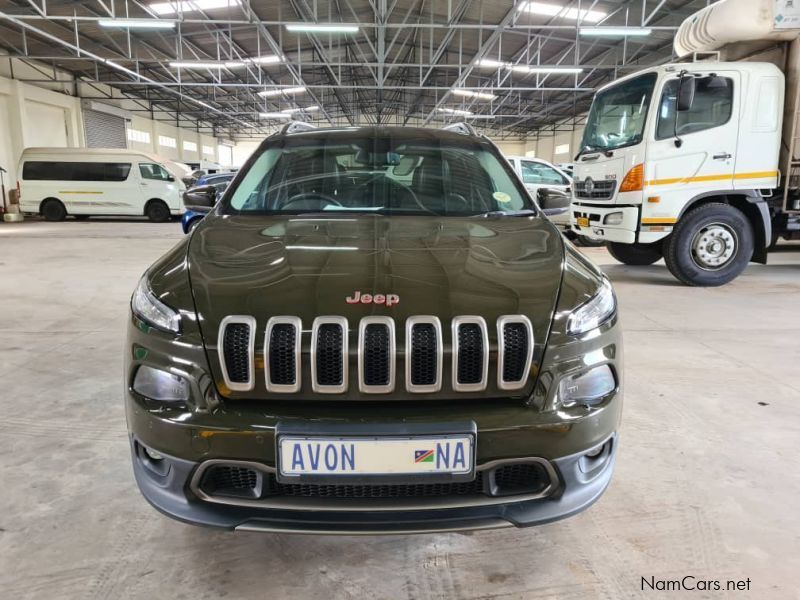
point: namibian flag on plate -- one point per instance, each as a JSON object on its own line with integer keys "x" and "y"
{"x": 421, "y": 456}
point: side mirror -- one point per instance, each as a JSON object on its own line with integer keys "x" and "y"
{"x": 200, "y": 199}
{"x": 686, "y": 89}
{"x": 170, "y": 178}
{"x": 553, "y": 202}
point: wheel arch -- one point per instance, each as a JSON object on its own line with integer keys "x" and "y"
{"x": 48, "y": 199}
{"x": 752, "y": 204}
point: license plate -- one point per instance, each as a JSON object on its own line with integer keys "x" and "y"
{"x": 582, "y": 221}
{"x": 379, "y": 456}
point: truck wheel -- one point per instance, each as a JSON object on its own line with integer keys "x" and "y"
{"x": 635, "y": 254}
{"x": 157, "y": 211}
{"x": 586, "y": 241}
{"x": 53, "y": 210}
{"x": 710, "y": 245}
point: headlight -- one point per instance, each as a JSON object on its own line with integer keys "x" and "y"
{"x": 160, "y": 385}
{"x": 614, "y": 218}
{"x": 150, "y": 309}
{"x": 594, "y": 312}
{"x": 588, "y": 388}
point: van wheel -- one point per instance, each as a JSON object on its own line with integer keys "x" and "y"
{"x": 635, "y": 254}
{"x": 157, "y": 211}
{"x": 711, "y": 245}
{"x": 53, "y": 210}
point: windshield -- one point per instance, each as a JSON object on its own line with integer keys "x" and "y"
{"x": 406, "y": 173}
{"x": 618, "y": 115}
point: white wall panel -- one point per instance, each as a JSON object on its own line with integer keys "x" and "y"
{"x": 45, "y": 125}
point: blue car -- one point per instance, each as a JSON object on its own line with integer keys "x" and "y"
{"x": 220, "y": 182}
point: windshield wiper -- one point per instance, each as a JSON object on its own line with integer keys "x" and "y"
{"x": 526, "y": 212}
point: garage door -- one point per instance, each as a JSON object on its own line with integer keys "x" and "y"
{"x": 45, "y": 125}
{"x": 103, "y": 130}
{"x": 5, "y": 140}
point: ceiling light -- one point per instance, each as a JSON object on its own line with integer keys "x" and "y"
{"x": 533, "y": 69}
{"x": 171, "y": 8}
{"x": 206, "y": 64}
{"x": 265, "y": 60}
{"x": 455, "y": 111}
{"x": 137, "y": 23}
{"x": 321, "y": 28}
{"x": 300, "y": 109}
{"x": 490, "y": 63}
{"x": 616, "y": 31}
{"x": 471, "y": 94}
{"x": 291, "y": 90}
{"x": 275, "y": 115}
{"x": 556, "y": 10}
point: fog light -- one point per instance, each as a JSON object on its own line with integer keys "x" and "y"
{"x": 595, "y": 452}
{"x": 614, "y": 218}
{"x": 153, "y": 455}
{"x": 160, "y": 385}
{"x": 587, "y": 388}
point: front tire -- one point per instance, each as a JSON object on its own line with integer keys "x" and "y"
{"x": 53, "y": 210}
{"x": 710, "y": 246}
{"x": 157, "y": 211}
{"x": 638, "y": 255}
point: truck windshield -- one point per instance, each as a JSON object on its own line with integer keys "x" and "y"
{"x": 403, "y": 172}
{"x": 618, "y": 115}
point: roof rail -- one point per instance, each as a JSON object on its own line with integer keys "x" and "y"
{"x": 296, "y": 127}
{"x": 462, "y": 128}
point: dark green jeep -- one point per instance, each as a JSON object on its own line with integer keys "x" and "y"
{"x": 374, "y": 330}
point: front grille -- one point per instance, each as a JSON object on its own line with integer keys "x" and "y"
{"x": 329, "y": 355}
{"x": 600, "y": 190}
{"x": 515, "y": 349}
{"x": 411, "y": 490}
{"x": 231, "y": 481}
{"x": 257, "y": 482}
{"x": 471, "y": 354}
{"x": 236, "y": 342}
{"x": 520, "y": 478}
{"x": 376, "y": 355}
{"x": 423, "y": 354}
{"x": 282, "y": 354}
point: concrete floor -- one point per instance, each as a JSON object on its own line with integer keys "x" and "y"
{"x": 706, "y": 485}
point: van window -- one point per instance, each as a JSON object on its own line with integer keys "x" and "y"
{"x": 538, "y": 173}
{"x": 712, "y": 107}
{"x": 42, "y": 170}
{"x": 154, "y": 171}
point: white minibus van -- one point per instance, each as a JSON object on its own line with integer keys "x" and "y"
{"x": 82, "y": 182}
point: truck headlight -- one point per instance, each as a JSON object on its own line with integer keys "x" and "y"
{"x": 614, "y": 218}
{"x": 160, "y": 385}
{"x": 594, "y": 312}
{"x": 588, "y": 387}
{"x": 150, "y": 309}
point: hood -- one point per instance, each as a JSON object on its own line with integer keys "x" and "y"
{"x": 309, "y": 267}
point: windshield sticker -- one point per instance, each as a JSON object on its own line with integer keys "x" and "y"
{"x": 501, "y": 197}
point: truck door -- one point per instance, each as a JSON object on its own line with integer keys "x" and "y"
{"x": 694, "y": 153}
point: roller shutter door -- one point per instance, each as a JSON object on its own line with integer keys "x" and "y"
{"x": 104, "y": 130}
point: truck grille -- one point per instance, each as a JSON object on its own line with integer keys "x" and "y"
{"x": 600, "y": 190}
{"x": 377, "y": 354}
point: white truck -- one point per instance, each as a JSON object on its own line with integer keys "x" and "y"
{"x": 698, "y": 162}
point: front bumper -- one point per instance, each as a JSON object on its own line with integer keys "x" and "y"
{"x": 580, "y": 482}
{"x": 624, "y": 232}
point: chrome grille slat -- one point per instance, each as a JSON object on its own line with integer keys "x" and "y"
{"x": 376, "y": 355}
{"x": 236, "y": 348}
{"x": 329, "y": 367}
{"x": 514, "y": 351}
{"x": 419, "y": 351}
{"x": 282, "y": 354}
{"x": 470, "y": 354}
